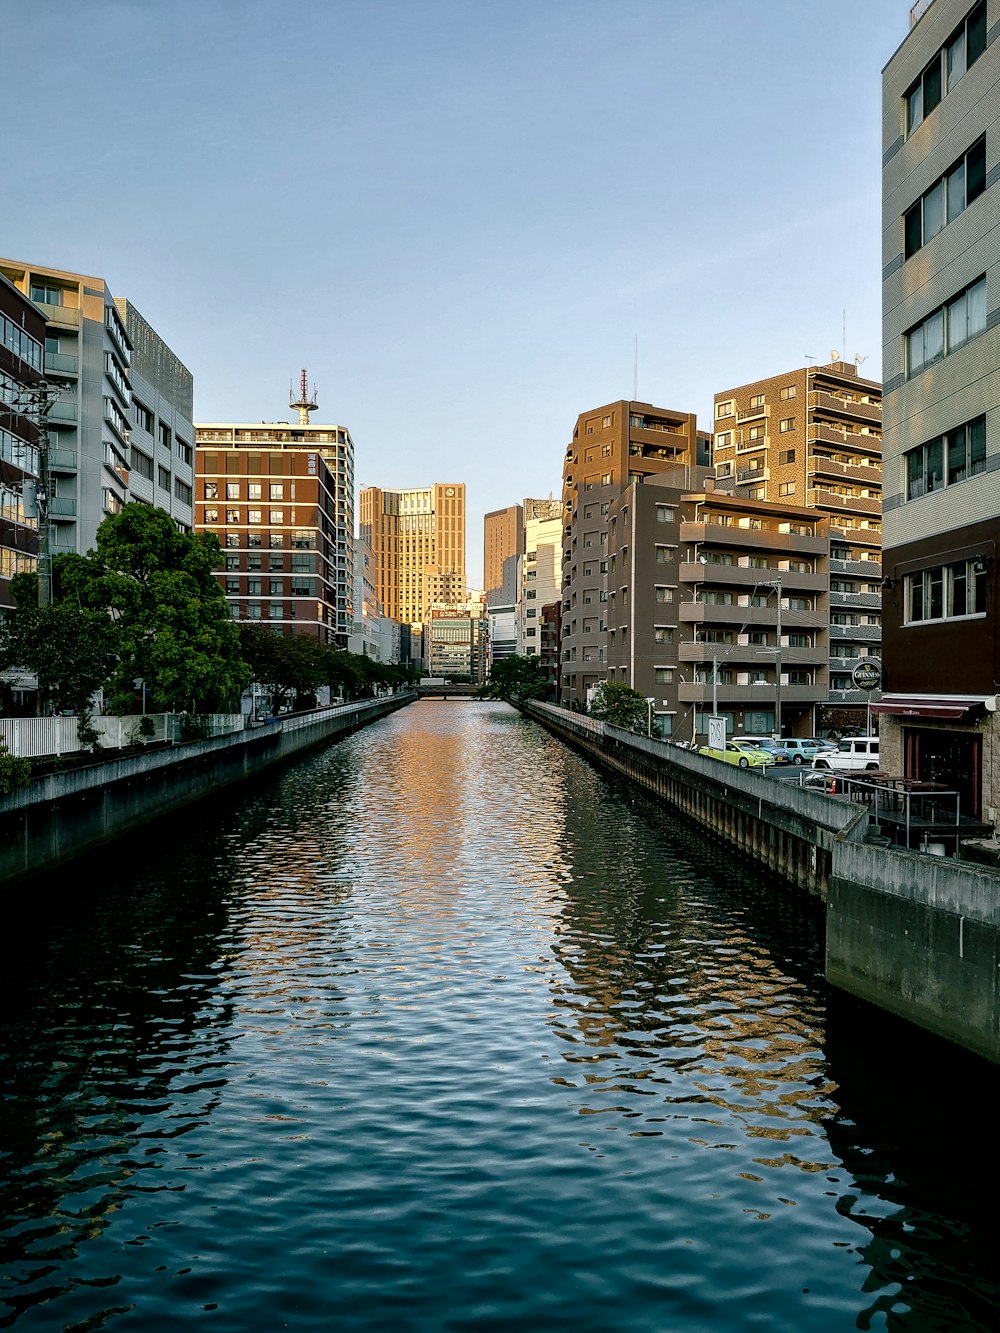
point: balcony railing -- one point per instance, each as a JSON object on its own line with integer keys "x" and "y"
{"x": 845, "y": 407}
{"x": 61, "y": 363}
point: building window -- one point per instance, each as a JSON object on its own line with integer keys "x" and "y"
{"x": 232, "y": 586}
{"x": 163, "y": 478}
{"x": 166, "y": 435}
{"x": 142, "y": 416}
{"x": 787, "y": 423}
{"x": 964, "y": 181}
{"x": 184, "y": 451}
{"x": 663, "y": 675}
{"x": 724, "y": 409}
{"x": 253, "y": 516}
{"x": 786, "y": 488}
{"x": 663, "y": 634}
{"x": 723, "y": 469}
{"x": 664, "y": 514}
{"x": 232, "y": 539}
{"x": 757, "y": 432}
{"x": 664, "y": 594}
{"x": 276, "y": 541}
{"x": 663, "y": 555}
{"x": 182, "y": 491}
{"x": 254, "y": 490}
{"x": 724, "y": 440}
{"x": 211, "y": 516}
{"x": 786, "y": 456}
{"x": 47, "y": 295}
{"x": 276, "y": 490}
{"x": 276, "y": 516}
{"x": 757, "y": 493}
{"x": 962, "y": 49}
{"x": 789, "y": 391}
{"x": 232, "y": 490}
{"x": 232, "y": 562}
{"x": 142, "y": 464}
{"x": 947, "y": 459}
{"x": 211, "y": 490}
{"x": 947, "y": 592}
{"x": 947, "y": 329}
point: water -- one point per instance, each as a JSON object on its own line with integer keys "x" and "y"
{"x": 439, "y": 1029}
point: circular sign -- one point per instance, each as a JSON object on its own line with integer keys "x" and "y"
{"x": 449, "y": 490}
{"x": 867, "y": 675}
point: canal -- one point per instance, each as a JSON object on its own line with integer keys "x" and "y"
{"x": 440, "y": 1029}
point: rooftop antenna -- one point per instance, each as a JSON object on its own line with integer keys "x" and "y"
{"x": 858, "y": 358}
{"x": 808, "y": 357}
{"x": 305, "y": 404}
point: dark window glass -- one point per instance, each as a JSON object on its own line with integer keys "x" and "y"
{"x": 977, "y": 445}
{"x": 935, "y": 593}
{"x": 976, "y": 44}
{"x": 935, "y": 464}
{"x": 914, "y": 234}
{"x": 975, "y": 171}
{"x": 932, "y": 85}
{"x": 956, "y": 456}
{"x": 915, "y": 474}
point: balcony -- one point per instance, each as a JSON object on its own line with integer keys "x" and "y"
{"x": 847, "y": 531}
{"x": 846, "y": 407}
{"x": 857, "y": 633}
{"x": 62, "y": 508}
{"x": 60, "y": 316}
{"x": 852, "y": 504}
{"x": 62, "y": 460}
{"x": 849, "y": 697}
{"x": 750, "y": 654}
{"x": 753, "y": 539}
{"x": 739, "y": 576}
{"x": 753, "y": 413}
{"x": 750, "y": 696}
{"x": 861, "y": 601}
{"x": 698, "y": 613}
{"x": 62, "y": 416}
{"x": 819, "y": 465}
{"x": 823, "y": 432}
{"x": 61, "y": 363}
{"x": 871, "y": 569}
{"x": 748, "y": 475}
{"x": 748, "y": 446}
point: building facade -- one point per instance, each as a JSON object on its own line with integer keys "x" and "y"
{"x": 503, "y": 547}
{"x": 813, "y": 437}
{"x": 540, "y": 570}
{"x": 280, "y": 499}
{"x": 417, "y": 539}
{"x": 718, "y": 601}
{"x": 941, "y": 357}
{"x": 88, "y": 358}
{"x": 22, "y": 351}
{"x": 612, "y": 447}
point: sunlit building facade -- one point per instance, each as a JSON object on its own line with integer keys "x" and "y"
{"x": 417, "y": 538}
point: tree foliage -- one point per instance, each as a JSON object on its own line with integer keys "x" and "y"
{"x": 619, "y": 704}
{"x": 514, "y": 679}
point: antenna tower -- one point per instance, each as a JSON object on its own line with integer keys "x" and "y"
{"x": 305, "y": 404}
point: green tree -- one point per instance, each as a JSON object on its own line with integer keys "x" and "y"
{"x": 174, "y": 630}
{"x": 72, "y": 649}
{"x": 291, "y": 668}
{"x": 619, "y": 704}
{"x": 514, "y": 679}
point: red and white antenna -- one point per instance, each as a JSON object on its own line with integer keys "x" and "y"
{"x": 305, "y": 404}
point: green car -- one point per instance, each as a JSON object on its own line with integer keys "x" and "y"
{"x": 744, "y": 756}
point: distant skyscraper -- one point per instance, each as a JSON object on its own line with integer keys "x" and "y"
{"x": 280, "y": 497}
{"x": 503, "y": 548}
{"x": 417, "y": 539}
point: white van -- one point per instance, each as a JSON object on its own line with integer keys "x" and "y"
{"x": 853, "y": 753}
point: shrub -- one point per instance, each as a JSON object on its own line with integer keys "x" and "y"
{"x": 14, "y": 772}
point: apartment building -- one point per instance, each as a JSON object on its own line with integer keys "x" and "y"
{"x": 89, "y": 357}
{"x": 813, "y": 437}
{"x": 22, "y": 349}
{"x": 455, "y": 640}
{"x": 417, "y": 538}
{"x": 503, "y": 545}
{"x": 280, "y": 499}
{"x": 715, "y": 600}
{"x": 941, "y": 356}
{"x": 540, "y": 570}
{"x": 612, "y": 447}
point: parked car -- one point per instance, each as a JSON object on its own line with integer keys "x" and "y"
{"x": 852, "y": 754}
{"x": 773, "y": 747}
{"x": 744, "y": 756}
{"x": 822, "y": 743}
{"x": 800, "y": 751}
{"x": 753, "y": 747}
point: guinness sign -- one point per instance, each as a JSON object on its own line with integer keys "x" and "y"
{"x": 867, "y": 675}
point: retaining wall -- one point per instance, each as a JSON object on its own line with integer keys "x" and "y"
{"x": 63, "y": 814}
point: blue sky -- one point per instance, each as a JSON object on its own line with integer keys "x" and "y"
{"x": 459, "y": 213}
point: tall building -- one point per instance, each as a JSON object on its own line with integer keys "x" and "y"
{"x": 22, "y": 346}
{"x": 541, "y": 570}
{"x": 417, "y": 539}
{"x": 89, "y": 357}
{"x": 612, "y": 447}
{"x": 280, "y": 498}
{"x": 715, "y": 599}
{"x": 503, "y": 547}
{"x": 941, "y": 361}
{"x": 813, "y": 437}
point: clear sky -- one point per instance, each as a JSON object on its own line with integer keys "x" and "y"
{"x": 459, "y": 213}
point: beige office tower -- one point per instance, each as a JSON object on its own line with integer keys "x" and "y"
{"x": 417, "y": 539}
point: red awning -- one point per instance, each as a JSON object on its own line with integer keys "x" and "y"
{"x": 946, "y": 707}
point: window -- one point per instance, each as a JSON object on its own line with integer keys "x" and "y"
{"x": 276, "y": 490}
{"x": 787, "y": 423}
{"x": 711, "y": 597}
{"x": 142, "y": 416}
{"x": 723, "y": 469}
{"x": 232, "y": 490}
{"x": 663, "y": 634}
{"x": 163, "y": 478}
{"x": 232, "y": 586}
{"x": 47, "y": 295}
{"x": 786, "y": 488}
{"x": 756, "y": 400}
{"x": 276, "y": 541}
{"x": 663, "y": 555}
{"x": 786, "y": 456}
{"x": 724, "y": 440}
{"x": 664, "y": 594}
{"x": 254, "y": 539}
{"x": 232, "y": 562}
{"x": 254, "y": 490}
{"x": 184, "y": 451}
{"x": 211, "y": 516}
{"x": 142, "y": 464}
{"x": 232, "y": 539}
{"x": 963, "y": 182}
{"x": 253, "y": 562}
{"x": 800, "y": 604}
{"x": 664, "y": 514}
{"x": 211, "y": 490}
{"x": 947, "y": 459}
{"x": 276, "y": 516}
{"x": 724, "y": 409}
{"x": 757, "y": 493}
{"x": 606, "y": 422}
{"x": 253, "y": 516}
{"x": 182, "y": 491}
{"x": 947, "y": 329}
{"x": 232, "y": 515}
{"x": 663, "y": 675}
{"x": 946, "y": 592}
{"x": 789, "y": 391}
{"x": 757, "y": 432}
{"x": 963, "y": 48}
{"x": 166, "y": 435}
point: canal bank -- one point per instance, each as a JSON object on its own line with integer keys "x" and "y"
{"x": 916, "y": 935}
{"x": 63, "y": 814}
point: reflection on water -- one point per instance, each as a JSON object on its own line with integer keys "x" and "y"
{"x": 440, "y": 1029}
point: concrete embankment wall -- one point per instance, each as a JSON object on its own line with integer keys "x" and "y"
{"x": 919, "y": 936}
{"x": 63, "y": 814}
{"x": 790, "y": 829}
{"x": 916, "y": 935}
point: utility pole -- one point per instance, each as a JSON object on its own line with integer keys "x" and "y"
{"x": 36, "y": 404}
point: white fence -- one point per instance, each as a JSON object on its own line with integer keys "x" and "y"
{"x": 35, "y": 737}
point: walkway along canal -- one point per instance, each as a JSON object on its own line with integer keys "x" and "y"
{"x": 441, "y": 1028}
{"x": 914, "y": 934}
